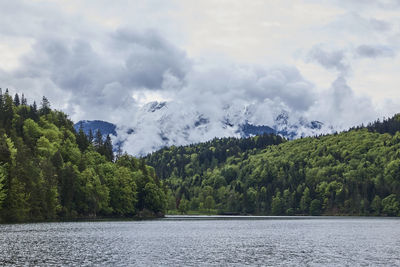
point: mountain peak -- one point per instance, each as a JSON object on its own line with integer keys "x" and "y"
{"x": 155, "y": 105}
{"x": 157, "y": 127}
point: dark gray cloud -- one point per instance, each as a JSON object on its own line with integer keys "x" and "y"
{"x": 335, "y": 59}
{"x": 104, "y": 81}
{"x": 149, "y": 57}
{"x": 374, "y": 51}
{"x": 73, "y": 66}
{"x": 340, "y": 59}
{"x": 379, "y": 25}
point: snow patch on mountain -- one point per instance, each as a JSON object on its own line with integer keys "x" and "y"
{"x": 160, "y": 124}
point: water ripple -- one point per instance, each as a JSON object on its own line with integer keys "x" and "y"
{"x": 204, "y": 242}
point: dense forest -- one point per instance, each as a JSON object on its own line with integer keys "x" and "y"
{"x": 352, "y": 173}
{"x": 49, "y": 171}
{"x": 177, "y": 160}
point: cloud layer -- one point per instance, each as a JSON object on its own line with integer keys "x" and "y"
{"x": 100, "y": 62}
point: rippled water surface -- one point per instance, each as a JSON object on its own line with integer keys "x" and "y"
{"x": 205, "y": 241}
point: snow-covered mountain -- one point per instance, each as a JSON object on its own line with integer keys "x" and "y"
{"x": 159, "y": 124}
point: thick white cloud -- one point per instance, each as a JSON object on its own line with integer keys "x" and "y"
{"x": 236, "y": 61}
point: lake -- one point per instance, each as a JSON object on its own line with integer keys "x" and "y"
{"x": 205, "y": 241}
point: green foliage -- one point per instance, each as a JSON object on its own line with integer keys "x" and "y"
{"x": 305, "y": 201}
{"x": 183, "y": 206}
{"x": 154, "y": 198}
{"x": 171, "y": 201}
{"x": 48, "y": 171}
{"x": 209, "y": 203}
{"x": 94, "y": 194}
{"x": 376, "y": 205}
{"x": 390, "y": 125}
{"x": 391, "y": 205}
{"x": 352, "y": 173}
{"x": 31, "y": 132}
{"x": 187, "y": 160}
{"x": 3, "y": 192}
{"x": 277, "y": 205}
{"x": 315, "y": 207}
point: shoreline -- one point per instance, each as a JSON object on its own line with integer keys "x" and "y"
{"x": 172, "y": 217}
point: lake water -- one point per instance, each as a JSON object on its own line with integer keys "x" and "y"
{"x": 205, "y": 241}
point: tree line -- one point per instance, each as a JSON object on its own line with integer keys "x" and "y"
{"x": 352, "y": 173}
{"x": 49, "y": 171}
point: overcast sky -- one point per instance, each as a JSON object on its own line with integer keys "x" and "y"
{"x": 334, "y": 61}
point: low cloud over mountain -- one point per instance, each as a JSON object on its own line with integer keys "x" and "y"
{"x": 95, "y": 61}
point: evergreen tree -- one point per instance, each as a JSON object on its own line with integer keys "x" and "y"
{"x": 34, "y": 107}
{"x": 90, "y": 136}
{"x": 119, "y": 150}
{"x": 8, "y": 112}
{"x": 142, "y": 166}
{"x": 82, "y": 139}
{"x": 4, "y": 151}
{"x": 33, "y": 112}
{"x": 108, "y": 149}
{"x": 3, "y": 193}
{"x": 16, "y": 100}
{"x": 1, "y": 107}
{"x": 24, "y": 102}
{"x": 98, "y": 142}
{"x": 45, "y": 107}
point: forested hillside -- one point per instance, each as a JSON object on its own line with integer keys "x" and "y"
{"x": 352, "y": 173}
{"x": 185, "y": 161}
{"x": 48, "y": 171}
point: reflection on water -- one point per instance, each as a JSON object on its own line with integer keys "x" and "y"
{"x": 204, "y": 240}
